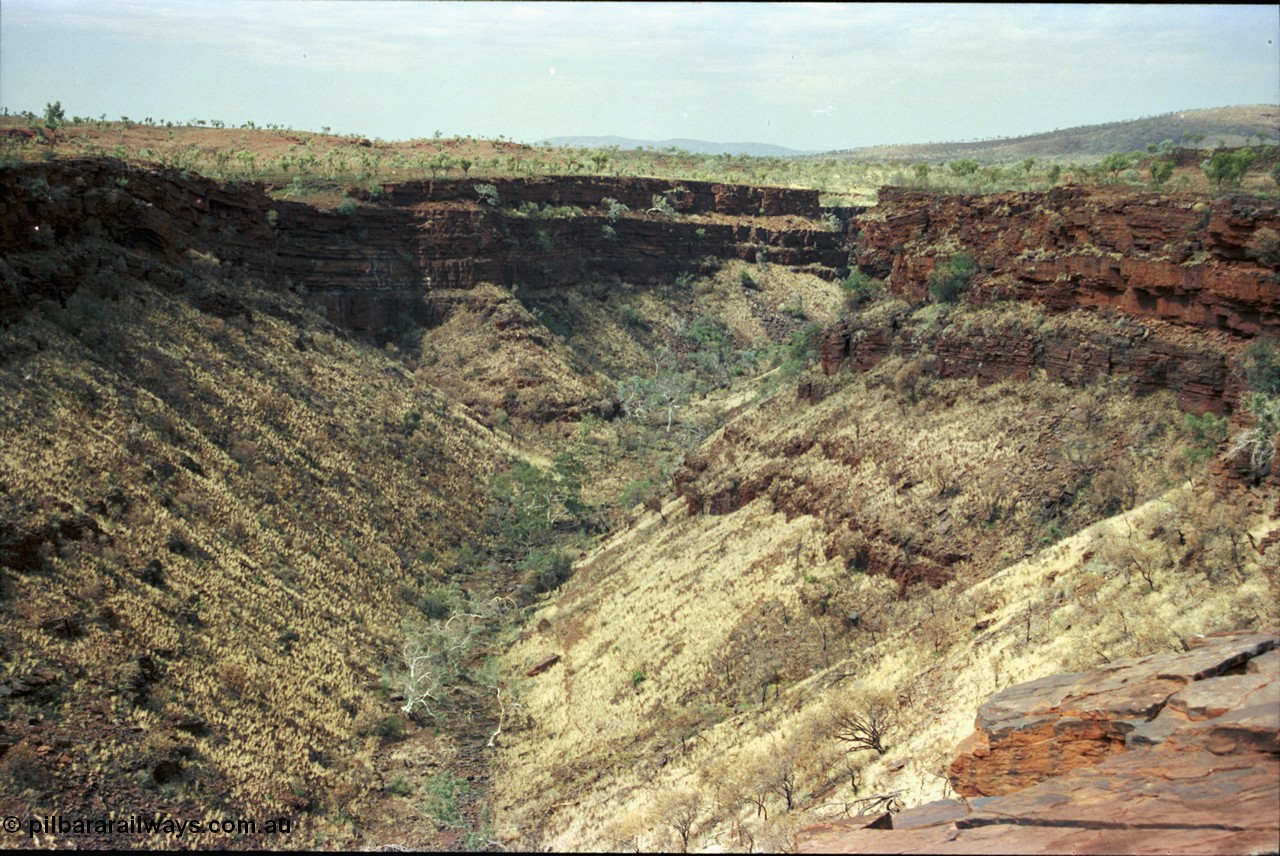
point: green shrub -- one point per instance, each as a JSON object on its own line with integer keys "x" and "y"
{"x": 527, "y": 502}
{"x": 437, "y": 602}
{"x": 859, "y": 288}
{"x": 54, "y": 115}
{"x": 1115, "y": 163}
{"x": 1161, "y": 170}
{"x": 544, "y": 570}
{"x": 630, "y": 317}
{"x": 634, "y": 492}
{"x": 392, "y": 728}
{"x": 489, "y": 195}
{"x": 399, "y": 787}
{"x": 800, "y": 350}
{"x": 662, "y": 205}
{"x": 1262, "y": 366}
{"x": 412, "y": 420}
{"x": 708, "y": 333}
{"x": 637, "y": 677}
{"x": 615, "y": 209}
{"x": 347, "y": 207}
{"x": 749, "y": 282}
{"x": 443, "y": 792}
{"x": 948, "y": 280}
{"x": 1228, "y": 167}
{"x": 1207, "y": 431}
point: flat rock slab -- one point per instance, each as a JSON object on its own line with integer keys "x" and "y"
{"x": 1199, "y": 771}
{"x": 1045, "y": 727}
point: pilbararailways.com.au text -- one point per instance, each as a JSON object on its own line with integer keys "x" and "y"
{"x": 56, "y": 824}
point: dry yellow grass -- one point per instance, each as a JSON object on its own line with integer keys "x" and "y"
{"x": 296, "y": 522}
{"x": 693, "y": 659}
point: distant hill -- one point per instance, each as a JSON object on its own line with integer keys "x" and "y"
{"x": 1234, "y": 126}
{"x": 700, "y": 147}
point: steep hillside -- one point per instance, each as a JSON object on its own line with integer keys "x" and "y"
{"x": 706, "y": 655}
{"x": 223, "y": 518}
{"x": 212, "y": 527}
{"x": 587, "y": 512}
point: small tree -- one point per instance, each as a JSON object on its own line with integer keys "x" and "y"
{"x": 1228, "y": 167}
{"x": 54, "y": 115}
{"x": 1115, "y": 163}
{"x": 489, "y": 195}
{"x": 948, "y": 280}
{"x": 1161, "y": 170}
{"x": 859, "y": 288}
{"x": 865, "y": 720}
{"x": 431, "y": 655}
{"x": 964, "y": 166}
{"x": 1259, "y": 440}
{"x": 800, "y": 350}
{"x": 528, "y": 502}
{"x": 671, "y": 389}
{"x": 614, "y": 209}
{"x": 681, "y": 810}
{"x": 1207, "y": 432}
{"x": 662, "y": 205}
{"x": 1262, "y": 365}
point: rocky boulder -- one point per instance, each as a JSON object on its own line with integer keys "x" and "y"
{"x": 1175, "y": 752}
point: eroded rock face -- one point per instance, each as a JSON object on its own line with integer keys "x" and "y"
{"x": 1165, "y": 753}
{"x": 1175, "y": 257}
{"x": 67, "y": 222}
{"x": 1198, "y": 372}
{"x": 1213, "y": 267}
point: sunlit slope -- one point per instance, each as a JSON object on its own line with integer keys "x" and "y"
{"x": 703, "y": 656}
{"x": 211, "y": 531}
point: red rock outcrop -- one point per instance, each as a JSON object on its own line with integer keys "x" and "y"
{"x": 65, "y": 221}
{"x": 1166, "y": 753}
{"x": 1197, "y": 369}
{"x": 1176, "y": 257}
{"x": 1177, "y": 260}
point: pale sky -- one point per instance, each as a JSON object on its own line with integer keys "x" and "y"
{"x": 816, "y": 76}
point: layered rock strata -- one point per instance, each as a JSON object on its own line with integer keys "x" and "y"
{"x": 1198, "y": 371}
{"x": 1175, "y": 752}
{"x": 64, "y": 222}
{"x": 1173, "y": 257}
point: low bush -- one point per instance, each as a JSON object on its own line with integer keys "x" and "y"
{"x": 859, "y": 288}
{"x": 949, "y": 279}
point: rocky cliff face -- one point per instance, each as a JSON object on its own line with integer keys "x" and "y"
{"x": 1197, "y": 370}
{"x": 1171, "y": 752}
{"x": 1189, "y": 280}
{"x": 65, "y": 221}
{"x": 1209, "y": 265}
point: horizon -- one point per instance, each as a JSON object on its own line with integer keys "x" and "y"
{"x": 799, "y": 76}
